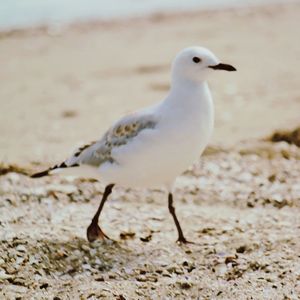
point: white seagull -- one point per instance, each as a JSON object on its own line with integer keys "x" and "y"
{"x": 151, "y": 147}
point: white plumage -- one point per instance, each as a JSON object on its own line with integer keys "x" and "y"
{"x": 153, "y": 146}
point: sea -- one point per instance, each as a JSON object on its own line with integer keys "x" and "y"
{"x": 17, "y": 14}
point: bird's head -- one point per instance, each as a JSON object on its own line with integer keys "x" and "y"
{"x": 196, "y": 63}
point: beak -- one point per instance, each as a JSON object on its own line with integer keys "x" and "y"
{"x": 225, "y": 67}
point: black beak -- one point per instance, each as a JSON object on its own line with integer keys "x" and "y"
{"x": 223, "y": 67}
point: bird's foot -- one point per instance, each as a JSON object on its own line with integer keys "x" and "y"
{"x": 182, "y": 240}
{"x": 94, "y": 232}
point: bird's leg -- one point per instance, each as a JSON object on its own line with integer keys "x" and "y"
{"x": 181, "y": 239}
{"x": 94, "y": 232}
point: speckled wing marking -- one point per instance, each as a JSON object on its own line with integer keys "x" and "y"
{"x": 120, "y": 134}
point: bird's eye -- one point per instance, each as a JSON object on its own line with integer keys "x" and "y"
{"x": 196, "y": 59}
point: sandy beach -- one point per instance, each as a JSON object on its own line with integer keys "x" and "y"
{"x": 62, "y": 87}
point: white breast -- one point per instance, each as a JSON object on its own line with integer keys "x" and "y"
{"x": 157, "y": 156}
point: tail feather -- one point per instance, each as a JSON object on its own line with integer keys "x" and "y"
{"x": 47, "y": 172}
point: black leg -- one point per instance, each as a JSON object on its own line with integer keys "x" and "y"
{"x": 181, "y": 238}
{"x": 94, "y": 232}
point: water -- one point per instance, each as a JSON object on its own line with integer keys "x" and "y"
{"x": 16, "y": 14}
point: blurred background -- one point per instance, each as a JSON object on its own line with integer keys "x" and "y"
{"x": 70, "y": 68}
{"x": 28, "y": 13}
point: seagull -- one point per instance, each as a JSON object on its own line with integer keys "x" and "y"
{"x": 151, "y": 147}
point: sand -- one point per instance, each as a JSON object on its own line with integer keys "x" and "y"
{"x": 61, "y": 87}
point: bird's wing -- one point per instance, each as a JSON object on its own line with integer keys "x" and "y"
{"x": 120, "y": 134}
{"x": 99, "y": 152}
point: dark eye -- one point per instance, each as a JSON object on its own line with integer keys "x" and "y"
{"x": 196, "y": 59}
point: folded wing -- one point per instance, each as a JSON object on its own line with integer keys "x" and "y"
{"x": 96, "y": 153}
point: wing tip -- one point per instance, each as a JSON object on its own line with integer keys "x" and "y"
{"x": 47, "y": 172}
{"x": 40, "y": 174}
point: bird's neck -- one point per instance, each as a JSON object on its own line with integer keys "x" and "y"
{"x": 187, "y": 93}
{"x": 190, "y": 101}
{"x": 189, "y": 105}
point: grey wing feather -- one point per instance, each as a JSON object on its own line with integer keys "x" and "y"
{"x": 99, "y": 152}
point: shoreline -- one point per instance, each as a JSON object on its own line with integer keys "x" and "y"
{"x": 133, "y": 14}
{"x": 142, "y": 19}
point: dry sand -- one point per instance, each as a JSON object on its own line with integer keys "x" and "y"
{"x": 240, "y": 203}
{"x": 63, "y": 88}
